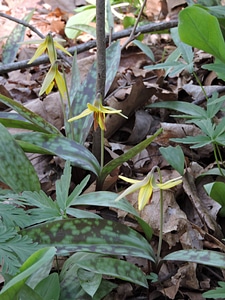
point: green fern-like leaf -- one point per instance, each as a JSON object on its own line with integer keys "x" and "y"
{"x": 14, "y": 249}
{"x": 12, "y": 216}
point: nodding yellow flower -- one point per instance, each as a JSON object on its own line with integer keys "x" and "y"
{"x": 99, "y": 114}
{"x": 146, "y": 187}
{"x": 48, "y": 45}
{"x": 53, "y": 77}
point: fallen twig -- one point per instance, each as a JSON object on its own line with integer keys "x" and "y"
{"x": 151, "y": 27}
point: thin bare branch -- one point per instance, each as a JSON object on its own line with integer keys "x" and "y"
{"x": 151, "y": 27}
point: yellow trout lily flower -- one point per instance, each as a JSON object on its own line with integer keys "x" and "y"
{"x": 146, "y": 187}
{"x": 53, "y": 77}
{"x": 48, "y": 45}
{"x": 99, "y": 113}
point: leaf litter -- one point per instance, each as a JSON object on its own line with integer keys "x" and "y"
{"x": 190, "y": 220}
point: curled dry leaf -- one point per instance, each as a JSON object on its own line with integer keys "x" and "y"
{"x": 137, "y": 98}
{"x": 191, "y": 191}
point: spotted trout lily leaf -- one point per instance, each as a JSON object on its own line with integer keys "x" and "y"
{"x": 146, "y": 187}
{"x": 49, "y": 46}
{"x": 99, "y": 114}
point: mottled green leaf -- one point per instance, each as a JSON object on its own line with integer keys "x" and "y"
{"x": 15, "y": 169}
{"x": 86, "y": 93}
{"x": 91, "y": 235}
{"x": 13, "y": 120}
{"x": 70, "y": 284}
{"x": 115, "y": 268}
{"x": 110, "y": 166}
{"x": 12, "y": 44}
{"x": 205, "y": 257}
{"x": 107, "y": 199}
{"x": 68, "y": 149}
{"x": 30, "y": 116}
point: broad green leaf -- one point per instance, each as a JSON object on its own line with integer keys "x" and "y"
{"x": 175, "y": 157}
{"x": 31, "y": 265}
{"x": 218, "y": 67}
{"x": 191, "y": 110}
{"x": 13, "y": 120}
{"x": 204, "y": 257}
{"x": 15, "y": 169}
{"x": 89, "y": 281}
{"x": 49, "y": 287}
{"x": 65, "y": 148}
{"x": 194, "y": 32}
{"x": 145, "y": 49}
{"x": 115, "y": 268}
{"x": 107, "y": 199}
{"x": 84, "y": 17}
{"x": 85, "y": 28}
{"x": 110, "y": 166}
{"x": 91, "y": 235}
{"x": 216, "y": 191}
{"x": 30, "y": 116}
{"x": 13, "y": 42}
{"x": 219, "y": 292}
{"x": 27, "y": 292}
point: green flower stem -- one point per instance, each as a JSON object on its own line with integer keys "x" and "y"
{"x": 217, "y": 151}
{"x": 102, "y": 149}
{"x": 200, "y": 84}
{"x": 161, "y": 219}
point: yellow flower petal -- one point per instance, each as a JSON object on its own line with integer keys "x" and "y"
{"x": 48, "y": 81}
{"x": 51, "y": 48}
{"x": 169, "y": 184}
{"x": 144, "y": 196}
{"x": 40, "y": 50}
{"x": 60, "y": 82}
{"x": 131, "y": 189}
{"x": 129, "y": 179}
{"x": 85, "y": 113}
{"x": 60, "y": 47}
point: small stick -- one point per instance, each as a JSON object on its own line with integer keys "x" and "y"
{"x": 133, "y": 35}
